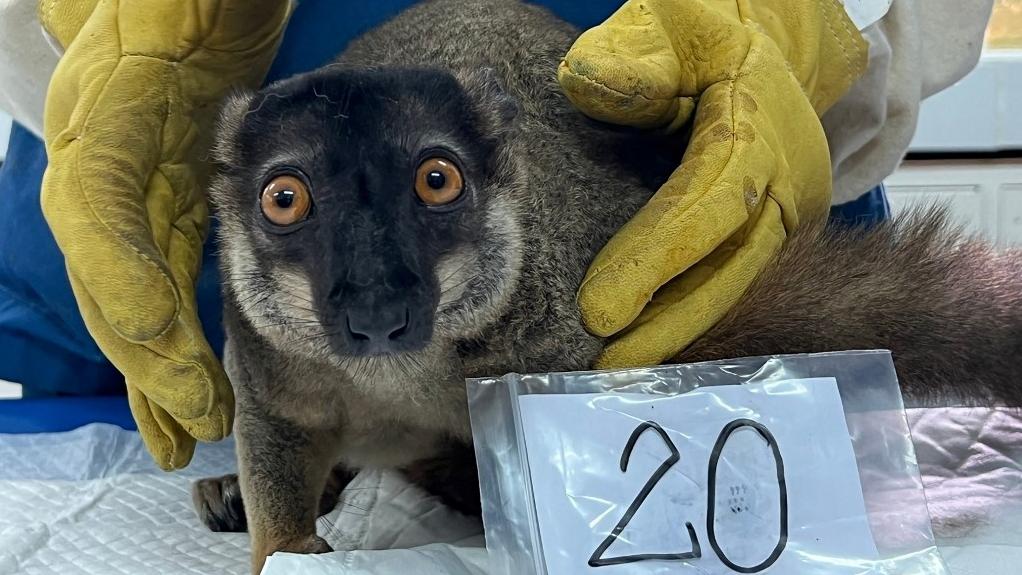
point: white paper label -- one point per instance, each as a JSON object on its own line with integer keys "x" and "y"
{"x": 757, "y": 478}
{"x": 866, "y": 12}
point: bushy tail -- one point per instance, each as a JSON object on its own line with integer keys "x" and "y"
{"x": 947, "y": 305}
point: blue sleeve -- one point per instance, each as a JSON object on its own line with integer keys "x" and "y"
{"x": 868, "y": 210}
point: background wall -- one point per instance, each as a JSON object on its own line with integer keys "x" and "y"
{"x": 970, "y": 137}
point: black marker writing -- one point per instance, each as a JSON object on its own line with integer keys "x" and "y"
{"x": 597, "y": 559}
{"x": 711, "y": 492}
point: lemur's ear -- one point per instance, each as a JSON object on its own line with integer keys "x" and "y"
{"x": 499, "y": 108}
{"x": 232, "y": 114}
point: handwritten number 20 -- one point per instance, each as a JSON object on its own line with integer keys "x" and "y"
{"x": 598, "y": 560}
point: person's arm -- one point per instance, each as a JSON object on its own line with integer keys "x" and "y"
{"x": 918, "y": 49}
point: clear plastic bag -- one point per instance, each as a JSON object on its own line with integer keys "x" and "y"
{"x": 568, "y": 483}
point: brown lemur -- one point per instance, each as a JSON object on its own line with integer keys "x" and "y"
{"x": 424, "y": 210}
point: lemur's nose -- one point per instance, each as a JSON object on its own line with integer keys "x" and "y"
{"x": 378, "y": 326}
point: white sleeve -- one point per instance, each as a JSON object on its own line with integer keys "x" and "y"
{"x": 27, "y": 61}
{"x": 919, "y": 48}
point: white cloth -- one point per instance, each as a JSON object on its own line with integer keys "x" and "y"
{"x": 437, "y": 559}
{"x": 91, "y": 502}
{"x": 919, "y": 48}
{"x": 26, "y": 63}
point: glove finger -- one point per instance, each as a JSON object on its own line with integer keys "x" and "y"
{"x": 228, "y": 26}
{"x": 704, "y": 202}
{"x": 691, "y": 304}
{"x": 185, "y": 257}
{"x": 165, "y": 441}
{"x": 185, "y": 237}
{"x": 247, "y": 26}
{"x": 94, "y": 197}
{"x": 192, "y": 386}
{"x": 223, "y": 44}
{"x": 177, "y": 371}
{"x": 635, "y": 68}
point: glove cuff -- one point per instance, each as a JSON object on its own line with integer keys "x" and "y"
{"x": 819, "y": 41}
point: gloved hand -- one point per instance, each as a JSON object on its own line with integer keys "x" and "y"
{"x": 127, "y": 125}
{"x": 757, "y": 74}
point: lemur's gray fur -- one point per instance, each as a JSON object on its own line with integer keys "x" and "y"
{"x": 546, "y": 188}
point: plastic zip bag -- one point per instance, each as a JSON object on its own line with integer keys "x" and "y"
{"x": 571, "y": 481}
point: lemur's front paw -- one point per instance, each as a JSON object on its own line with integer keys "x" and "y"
{"x": 218, "y": 502}
{"x": 309, "y": 545}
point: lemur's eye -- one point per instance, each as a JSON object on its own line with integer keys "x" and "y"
{"x": 285, "y": 200}
{"x": 438, "y": 182}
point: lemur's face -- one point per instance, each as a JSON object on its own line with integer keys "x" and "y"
{"x": 368, "y": 213}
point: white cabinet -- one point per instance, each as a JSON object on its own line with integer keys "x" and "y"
{"x": 982, "y": 113}
{"x": 985, "y": 195}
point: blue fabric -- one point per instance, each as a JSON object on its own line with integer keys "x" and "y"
{"x": 43, "y": 342}
{"x": 869, "y": 209}
{"x": 55, "y": 414}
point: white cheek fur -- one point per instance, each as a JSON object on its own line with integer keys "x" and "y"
{"x": 491, "y": 275}
{"x": 278, "y": 303}
{"x": 453, "y": 274}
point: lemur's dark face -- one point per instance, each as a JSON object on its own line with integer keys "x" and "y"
{"x": 365, "y": 213}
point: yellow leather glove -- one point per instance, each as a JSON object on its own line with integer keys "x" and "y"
{"x": 757, "y": 74}
{"x": 127, "y": 125}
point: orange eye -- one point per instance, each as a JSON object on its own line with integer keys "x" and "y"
{"x": 438, "y": 182}
{"x": 285, "y": 200}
